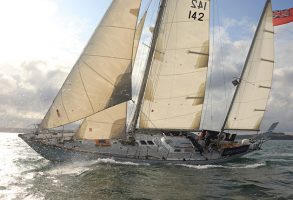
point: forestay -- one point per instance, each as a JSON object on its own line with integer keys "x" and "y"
{"x": 101, "y": 77}
{"x": 176, "y": 84}
{"x": 255, "y": 84}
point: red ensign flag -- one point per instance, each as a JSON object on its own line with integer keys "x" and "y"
{"x": 282, "y": 16}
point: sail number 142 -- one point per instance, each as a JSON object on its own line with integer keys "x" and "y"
{"x": 199, "y": 5}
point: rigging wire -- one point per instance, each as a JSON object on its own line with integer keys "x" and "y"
{"x": 210, "y": 71}
{"x": 142, "y": 51}
{"x": 212, "y": 60}
{"x": 222, "y": 59}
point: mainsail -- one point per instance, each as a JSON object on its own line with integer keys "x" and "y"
{"x": 175, "y": 89}
{"x": 250, "y": 99}
{"x": 101, "y": 77}
{"x": 111, "y": 122}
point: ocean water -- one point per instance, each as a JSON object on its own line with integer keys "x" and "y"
{"x": 266, "y": 174}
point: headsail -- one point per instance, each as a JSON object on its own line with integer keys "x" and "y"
{"x": 176, "y": 84}
{"x": 101, "y": 77}
{"x": 111, "y": 122}
{"x": 252, "y": 93}
{"x": 137, "y": 37}
{"x": 108, "y": 124}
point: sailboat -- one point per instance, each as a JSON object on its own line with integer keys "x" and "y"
{"x": 166, "y": 124}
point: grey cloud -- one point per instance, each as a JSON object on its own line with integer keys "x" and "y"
{"x": 34, "y": 92}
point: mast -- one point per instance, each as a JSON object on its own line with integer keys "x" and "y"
{"x": 134, "y": 120}
{"x": 246, "y": 64}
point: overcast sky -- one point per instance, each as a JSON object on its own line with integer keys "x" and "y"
{"x": 41, "y": 39}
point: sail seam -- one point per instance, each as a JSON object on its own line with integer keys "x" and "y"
{"x": 178, "y": 97}
{"x": 105, "y": 79}
{"x": 85, "y": 89}
{"x": 173, "y": 117}
{"x": 105, "y": 122}
{"x": 63, "y": 105}
{"x": 119, "y": 27}
{"x": 194, "y": 97}
{"x": 185, "y": 48}
{"x": 202, "y": 69}
{"x": 108, "y": 57}
{"x": 182, "y": 96}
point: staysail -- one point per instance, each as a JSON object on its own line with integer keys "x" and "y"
{"x": 252, "y": 93}
{"x": 108, "y": 124}
{"x": 111, "y": 122}
{"x": 175, "y": 89}
{"x": 101, "y": 77}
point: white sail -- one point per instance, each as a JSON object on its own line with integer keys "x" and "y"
{"x": 175, "y": 88}
{"x": 108, "y": 124}
{"x": 253, "y": 91}
{"x": 111, "y": 122}
{"x": 101, "y": 77}
{"x": 137, "y": 37}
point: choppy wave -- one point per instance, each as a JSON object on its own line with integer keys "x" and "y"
{"x": 289, "y": 155}
{"x": 78, "y": 168}
{"x": 263, "y": 175}
{"x": 75, "y": 168}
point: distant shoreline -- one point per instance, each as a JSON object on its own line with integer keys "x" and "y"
{"x": 15, "y": 130}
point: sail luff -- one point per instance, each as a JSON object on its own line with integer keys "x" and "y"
{"x": 134, "y": 121}
{"x": 263, "y": 22}
{"x": 101, "y": 77}
{"x": 137, "y": 36}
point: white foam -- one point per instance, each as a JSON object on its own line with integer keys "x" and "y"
{"x": 201, "y": 166}
{"x": 76, "y": 168}
{"x": 251, "y": 166}
{"x": 245, "y": 166}
{"x": 68, "y": 170}
{"x": 112, "y": 161}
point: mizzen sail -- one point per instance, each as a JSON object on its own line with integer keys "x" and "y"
{"x": 101, "y": 77}
{"x": 251, "y": 96}
{"x": 175, "y": 89}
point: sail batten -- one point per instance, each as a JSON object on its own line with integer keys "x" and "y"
{"x": 101, "y": 77}
{"x": 250, "y": 99}
{"x": 178, "y": 69}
